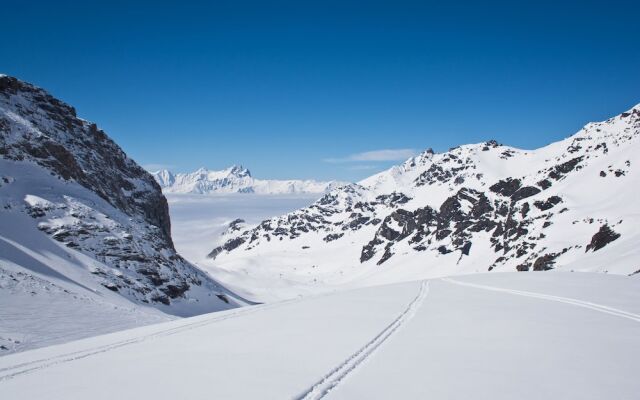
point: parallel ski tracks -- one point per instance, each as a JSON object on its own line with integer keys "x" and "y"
{"x": 566, "y": 300}
{"x": 339, "y": 373}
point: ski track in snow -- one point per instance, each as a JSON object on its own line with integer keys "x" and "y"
{"x": 337, "y": 375}
{"x": 13, "y": 371}
{"x": 566, "y": 300}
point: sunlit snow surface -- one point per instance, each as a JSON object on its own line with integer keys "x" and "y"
{"x": 546, "y": 335}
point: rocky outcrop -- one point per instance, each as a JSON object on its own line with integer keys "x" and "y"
{"x": 87, "y": 194}
{"x": 603, "y": 237}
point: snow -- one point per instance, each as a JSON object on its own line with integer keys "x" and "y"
{"x": 498, "y": 336}
{"x": 235, "y": 179}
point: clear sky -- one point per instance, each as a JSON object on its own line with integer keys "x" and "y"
{"x": 324, "y": 89}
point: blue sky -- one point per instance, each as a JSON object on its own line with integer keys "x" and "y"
{"x": 328, "y": 90}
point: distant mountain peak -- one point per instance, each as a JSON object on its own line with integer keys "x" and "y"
{"x": 235, "y": 179}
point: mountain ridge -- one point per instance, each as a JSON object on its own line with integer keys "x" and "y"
{"x": 474, "y": 208}
{"x": 235, "y": 179}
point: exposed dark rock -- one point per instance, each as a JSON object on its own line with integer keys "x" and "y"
{"x": 506, "y": 187}
{"x": 444, "y": 250}
{"x": 174, "y": 291}
{"x": 466, "y": 248}
{"x": 548, "y": 204}
{"x": 235, "y": 225}
{"x": 392, "y": 199}
{"x": 490, "y": 144}
{"x": 369, "y": 250}
{"x": 524, "y": 210}
{"x": 110, "y": 286}
{"x": 333, "y": 236}
{"x": 545, "y": 263}
{"x": 560, "y": 170}
{"x": 603, "y": 237}
{"x": 437, "y": 173}
{"x": 228, "y": 246}
{"x": 223, "y": 298}
{"x": 544, "y": 184}
{"x": 524, "y": 192}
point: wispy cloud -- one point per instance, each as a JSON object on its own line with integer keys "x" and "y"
{"x": 157, "y": 167}
{"x": 375, "y": 155}
{"x": 365, "y": 167}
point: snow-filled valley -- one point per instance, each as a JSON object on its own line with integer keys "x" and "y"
{"x": 492, "y": 336}
{"x": 484, "y": 272}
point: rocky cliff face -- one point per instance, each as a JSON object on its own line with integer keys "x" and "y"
{"x": 38, "y": 127}
{"x": 474, "y": 208}
{"x": 77, "y": 186}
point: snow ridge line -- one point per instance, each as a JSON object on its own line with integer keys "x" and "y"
{"x": 338, "y": 374}
{"x": 566, "y": 300}
{"x": 72, "y": 356}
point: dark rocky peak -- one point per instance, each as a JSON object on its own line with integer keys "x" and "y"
{"x": 490, "y": 144}
{"x": 633, "y": 114}
{"x": 420, "y": 159}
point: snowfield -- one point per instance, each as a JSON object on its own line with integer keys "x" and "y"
{"x": 555, "y": 335}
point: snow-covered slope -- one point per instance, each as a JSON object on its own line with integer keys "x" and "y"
{"x": 84, "y": 231}
{"x": 492, "y": 336}
{"x": 480, "y": 207}
{"x": 235, "y": 179}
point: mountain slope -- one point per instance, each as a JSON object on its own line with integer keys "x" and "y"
{"x": 235, "y": 179}
{"x": 480, "y": 207}
{"x": 491, "y": 336}
{"x": 79, "y": 220}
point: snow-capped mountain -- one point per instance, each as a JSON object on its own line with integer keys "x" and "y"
{"x": 480, "y": 207}
{"x": 235, "y": 179}
{"x": 84, "y": 230}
